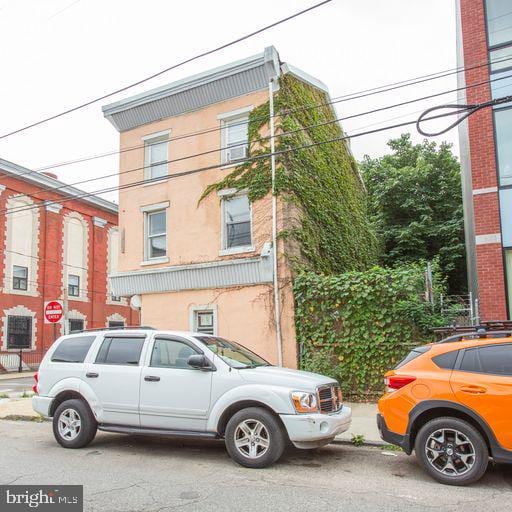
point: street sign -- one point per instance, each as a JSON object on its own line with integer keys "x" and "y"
{"x": 53, "y": 312}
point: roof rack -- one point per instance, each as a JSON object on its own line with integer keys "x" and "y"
{"x": 118, "y": 328}
{"x": 491, "y": 328}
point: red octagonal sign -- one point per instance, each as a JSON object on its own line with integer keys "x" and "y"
{"x": 53, "y": 312}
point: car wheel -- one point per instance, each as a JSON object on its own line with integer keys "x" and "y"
{"x": 254, "y": 438}
{"x": 452, "y": 451}
{"x": 74, "y": 425}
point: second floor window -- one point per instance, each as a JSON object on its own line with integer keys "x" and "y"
{"x": 156, "y": 234}
{"x": 73, "y": 285}
{"x": 237, "y": 222}
{"x": 155, "y": 157}
{"x": 19, "y": 277}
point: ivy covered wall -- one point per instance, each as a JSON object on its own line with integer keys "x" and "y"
{"x": 327, "y": 222}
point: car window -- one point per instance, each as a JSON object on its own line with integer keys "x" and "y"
{"x": 73, "y": 350}
{"x": 122, "y": 351}
{"x": 446, "y": 361}
{"x": 171, "y": 354}
{"x": 493, "y": 359}
{"x": 413, "y": 354}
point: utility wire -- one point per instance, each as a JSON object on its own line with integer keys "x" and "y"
{"x": 162, "y": 179}
{"x": 163, "y": 71}
{"x": 335, "y": 100}
{"x": 216, "y": 150}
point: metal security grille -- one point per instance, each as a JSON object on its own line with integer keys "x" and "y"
{"x": 19, "y": 332}
{"x": 76, "y": 325}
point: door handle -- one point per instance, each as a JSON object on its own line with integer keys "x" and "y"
{"x": 92, "y": 375}
{"x": 473, "y": 390}
{"x": 151, "y": 378}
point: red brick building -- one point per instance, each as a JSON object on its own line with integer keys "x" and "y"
{"x": 54, "y": 250}
{"x": 484, "y": 40}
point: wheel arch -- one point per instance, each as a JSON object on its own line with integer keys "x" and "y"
{"x": 68, "y": 394}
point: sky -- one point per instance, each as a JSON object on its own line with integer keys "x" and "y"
{"x": 55, "y": 54}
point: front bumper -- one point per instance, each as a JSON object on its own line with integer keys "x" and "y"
{"x": 42, "y": 404}
{"x": 392, "y": 437}
{"x": 311, "y": 430}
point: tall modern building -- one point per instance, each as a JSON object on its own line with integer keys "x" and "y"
{"x": 484, "y": 42}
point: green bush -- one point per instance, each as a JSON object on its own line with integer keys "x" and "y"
{"x": 358, "y": 325}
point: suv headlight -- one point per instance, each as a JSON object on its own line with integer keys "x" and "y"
{"x": 304, "y": 402}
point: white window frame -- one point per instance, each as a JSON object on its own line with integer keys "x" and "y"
{"x": 224, "y": 250}
{"x": 147, "y": 211}
{"x": 15, "y": 277}
{"x": 239, "y": 115}
{"x": 73, "y": 285}
{"x": 149, "y": 140}
{"x": 193, "y": 310}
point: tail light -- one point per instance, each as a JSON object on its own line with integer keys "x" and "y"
{"x": 36, "y": 378}
{"x": 394, "y": 382}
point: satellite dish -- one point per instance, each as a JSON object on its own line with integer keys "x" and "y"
{"x": 135, "y": 302}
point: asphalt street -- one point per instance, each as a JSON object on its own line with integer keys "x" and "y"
{"x": 127, "y": 473}
{"x": 16, "y": 386}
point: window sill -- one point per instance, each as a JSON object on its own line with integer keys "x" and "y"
{"x": 154, "y": 261}
{"x": 26, "y": 293}
{"x": 237, "y": 250}
{"x": 79, "y": 298}
{"x": 227, "y": 165}
{"x": 156, "y": 182}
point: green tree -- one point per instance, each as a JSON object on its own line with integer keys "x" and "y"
{"x": 416, "y": 202}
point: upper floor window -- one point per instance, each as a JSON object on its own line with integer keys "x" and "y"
{"x": 19, "y": 277}
{"x": 156, "y": 156}
{"x": 501, "y": 72}
{"x": 499, "y": 21}
{"x": 113, "y": 256}
{"x": 156, "y": 234}
{"x": 73, "y": 285}
{"x": 236, "y": 213}
{"x": 235, "y": 135}
{"x": 503, "y": 126}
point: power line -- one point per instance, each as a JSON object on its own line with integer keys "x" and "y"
{"x": 216, "y": 166}
{"x": 336, "y": 99}
{"x": 163, "y": 71}
{"x": 216, "y": 150}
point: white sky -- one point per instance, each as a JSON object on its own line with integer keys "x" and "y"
{"x": 55, "y": 54}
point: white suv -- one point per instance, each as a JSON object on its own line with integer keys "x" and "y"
{"x": 145, "y": 381}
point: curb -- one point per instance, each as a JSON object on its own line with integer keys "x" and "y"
{"x": 378, "y": 444}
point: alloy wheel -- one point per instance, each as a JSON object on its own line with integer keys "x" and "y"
{"x": 69, "y": 424}
{"x": 450, "y": 452}
{"x": 252, "y": 439}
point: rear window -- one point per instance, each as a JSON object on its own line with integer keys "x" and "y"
{"x": 122, "y": 351}
{"x": 73, "y": 350}
{"x": 413, "y": 354}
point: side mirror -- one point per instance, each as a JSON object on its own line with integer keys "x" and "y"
{"x": 200, "y": 362}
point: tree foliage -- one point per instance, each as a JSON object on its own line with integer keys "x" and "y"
{"x": 416, "y": 203}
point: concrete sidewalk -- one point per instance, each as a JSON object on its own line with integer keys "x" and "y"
{"x": 363, "y": 418}
{"x": 23, "y": 375}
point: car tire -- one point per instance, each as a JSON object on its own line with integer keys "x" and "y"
{"x": 74, "y": 425}
{"x": 452, "y": 451}
{"x": 255, "y": 438}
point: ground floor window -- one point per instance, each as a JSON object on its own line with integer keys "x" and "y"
{"x": 204, "y": 321}
{"x": 508, "y": 271}
{"x": 112, "y": 324}
{"x": 76, "y": 325}
{"x": 19, "y": 332}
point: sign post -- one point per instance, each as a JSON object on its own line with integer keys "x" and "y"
{"x": 53, "y": 313}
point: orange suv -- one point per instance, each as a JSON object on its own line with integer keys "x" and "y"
{"x": 451, "y": 402}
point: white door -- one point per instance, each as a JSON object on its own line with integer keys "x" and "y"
{"x": 115, "y": 379}
{"x": 173, "y": 395}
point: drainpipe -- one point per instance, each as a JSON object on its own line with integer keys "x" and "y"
{"x": 277, "y": 308}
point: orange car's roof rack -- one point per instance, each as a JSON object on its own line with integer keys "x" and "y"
{"x": 491, "y": 328}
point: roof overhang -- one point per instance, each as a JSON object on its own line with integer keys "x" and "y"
{"x": 43, "y": 180}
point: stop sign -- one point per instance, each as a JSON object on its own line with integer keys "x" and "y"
{"x": 53, "y": 312}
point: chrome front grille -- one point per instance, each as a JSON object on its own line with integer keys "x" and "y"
{"x": 328, "y": 400}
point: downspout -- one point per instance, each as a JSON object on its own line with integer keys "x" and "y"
{"x": 277, "y": 308}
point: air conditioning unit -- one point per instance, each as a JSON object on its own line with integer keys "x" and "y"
{"x": 236, "y": 153}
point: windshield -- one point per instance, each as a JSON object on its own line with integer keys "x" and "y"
{"x": 232, "y": 353}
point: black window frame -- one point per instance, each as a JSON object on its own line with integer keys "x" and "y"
{"x": 460, "y": 358}
{"x": 28, "y": 334}
{"x": 189, "y": 344}
{"x": 108, "y": 340}
{"x": 17, "y": 282}
{"x": 73, "y": 290}
{"x": 71, "y": 340}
